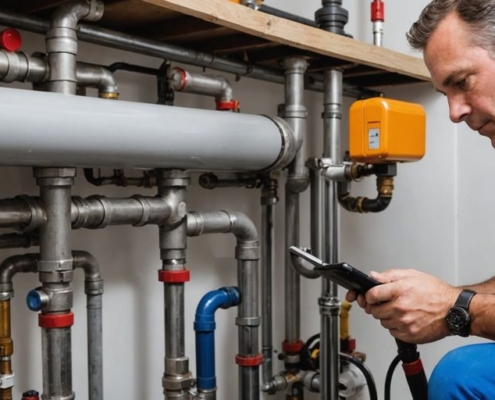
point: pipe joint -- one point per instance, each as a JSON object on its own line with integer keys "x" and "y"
{"x": 177, "y": 383}
{"x": 69, "y": 14}
{"x": 51, "y": 300}
{"x": 54, "y": 176}
{"x": 294, "y": 111}
{"x": 57, "y": 277}
{"x": 93, "y": 288}
{"x": 294, "y": 65}
{"x": 36, "y": 211}
{"x": 297, "y": 183}
{"x": 55, "y": 266}
{"x": 329, "y": 306}
{"x": 247, "y": 251}
{"x": 177, "y": 366}
{"x": 173, "y": 178}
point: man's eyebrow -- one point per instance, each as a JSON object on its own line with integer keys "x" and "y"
{"x": 448, "y": 80}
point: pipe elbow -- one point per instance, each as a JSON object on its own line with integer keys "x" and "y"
{"x": 13, "y": 265}
{"x": 69, "y": 14}
{"x": 87, "y": 262}
{"x": 222, "y": 298}
{"x": 242, "y": 227}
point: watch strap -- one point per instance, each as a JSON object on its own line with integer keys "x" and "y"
{"x": 464, "y": 299}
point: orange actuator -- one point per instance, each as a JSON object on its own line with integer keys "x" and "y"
{"x": 383, "y": 130}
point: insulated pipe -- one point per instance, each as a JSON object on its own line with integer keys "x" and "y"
{"x": 169, "y": 137}
{"x": 204, "y": 325}
{"x": 247, "y": 253}
{"x": 177, "y": 380}
{"x": 61, "y": 42}
{"x": 93, "y": 287}
{"x": 329, "y": 303}
{"x": 8, "y": 269}
{"x": 295, "y": 114}
{"x": 217, "y": 86}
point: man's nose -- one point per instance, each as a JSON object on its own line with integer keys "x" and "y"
{"x": 459, "y": 109}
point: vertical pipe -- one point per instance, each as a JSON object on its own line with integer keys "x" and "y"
{"x": 93, "y": 287}
{"x": 6, "y": 347}
{"x": 267, "y": 205}
{"x": 329, "y": 303}
{"x": 177, "y": 379}
{"x": 55, "y": 271}
{"x": 294, "y": 113}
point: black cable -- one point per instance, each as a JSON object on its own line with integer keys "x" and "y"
{"x": 388, "y": 378}
{"x": 366, "y": 372}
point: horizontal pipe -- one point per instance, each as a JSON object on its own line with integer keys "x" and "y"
{"x": 87, "y": 132}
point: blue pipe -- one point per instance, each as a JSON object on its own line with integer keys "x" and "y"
{"x": 204, "y": 325}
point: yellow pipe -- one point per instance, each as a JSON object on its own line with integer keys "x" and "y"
{"x": 344, "y": 320}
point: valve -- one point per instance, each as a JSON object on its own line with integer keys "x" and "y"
{"x": 10, "y": 39}
{"x": 36, "y": 299}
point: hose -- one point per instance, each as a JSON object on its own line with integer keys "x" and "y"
{"x": 366, "y": 372}
{"x": 390, "y": 373}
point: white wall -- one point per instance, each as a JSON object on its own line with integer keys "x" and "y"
{"x": 437, "y": 222}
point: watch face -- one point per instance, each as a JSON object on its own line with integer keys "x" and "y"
{"x": 457, "y": 318}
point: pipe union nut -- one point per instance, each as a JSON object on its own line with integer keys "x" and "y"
{"x": 177, "y": 382}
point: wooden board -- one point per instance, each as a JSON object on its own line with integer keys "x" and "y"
{"x": 244, "y": 19}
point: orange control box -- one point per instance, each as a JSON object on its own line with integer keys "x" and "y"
{"x": 383, "y": 130}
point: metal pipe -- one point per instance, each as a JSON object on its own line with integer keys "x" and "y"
{"x": 16, "y": 240}
{"x": 189, "y": 82}
{"x": 204, "y": 325}
{"x": 268, "y": 200}
{"x": 329, "y": 303}
{"x": 8, "y": 268}
{"x": 377, "y": 18}
{"x": 170, "y": 137}
{"x": 177, "y": 380}
{"x": 98, "y": 77}
{"x": 247, "y": 253}
{"x": 61, "y": 42}
{"x": 295, "y": 114}
{"x": 93, "y": 287}
{"x": 55, "y": 273}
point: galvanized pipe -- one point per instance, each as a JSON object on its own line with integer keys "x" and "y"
{"x": 61, "y": 42}
{"x": 93, "y": 287}
{"x": 189, "y": 82}
{"x": 99, "y": 77}
{"x": 177, "y": 379}
{"x": 267, "y": 233}
{"x": 294, "y": 112}
{"x": 169, "y": 137}
{"x": 248, "y": 320}
{"x": 329, "y": 303}
{"x": 55, "y": 272}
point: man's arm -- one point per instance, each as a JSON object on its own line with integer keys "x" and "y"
{"x": 486, "y": 287}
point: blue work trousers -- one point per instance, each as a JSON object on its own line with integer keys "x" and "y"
{"x": 465, "y": 373}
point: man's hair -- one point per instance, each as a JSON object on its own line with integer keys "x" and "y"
{"x": 478, "y": 14}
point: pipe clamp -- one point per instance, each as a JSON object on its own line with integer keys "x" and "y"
{"x": 7, "y": 381}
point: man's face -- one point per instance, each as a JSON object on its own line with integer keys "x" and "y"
{"x": 464, "y": 73}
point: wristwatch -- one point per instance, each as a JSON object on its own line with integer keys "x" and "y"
{"x": 458, "y": 319}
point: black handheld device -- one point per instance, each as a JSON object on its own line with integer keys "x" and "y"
{"x": 342, "y": 274}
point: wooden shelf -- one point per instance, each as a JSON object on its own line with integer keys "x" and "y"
{"x": 236, "y": 32}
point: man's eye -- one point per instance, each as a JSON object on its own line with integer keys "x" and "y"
{"x": 462, "y": 84}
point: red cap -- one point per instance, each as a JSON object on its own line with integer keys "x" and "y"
{"x": 10, "y": 39}
{"x": 377, "y": 11}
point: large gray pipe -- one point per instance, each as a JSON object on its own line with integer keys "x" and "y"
{"x": 89, "y": 132}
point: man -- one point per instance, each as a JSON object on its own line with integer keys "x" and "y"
{"x": 458, "y": 42}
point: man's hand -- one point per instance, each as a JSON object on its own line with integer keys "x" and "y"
{"x": 412, "y": 305}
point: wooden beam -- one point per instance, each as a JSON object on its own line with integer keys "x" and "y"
{"x": 244, "y": 19}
